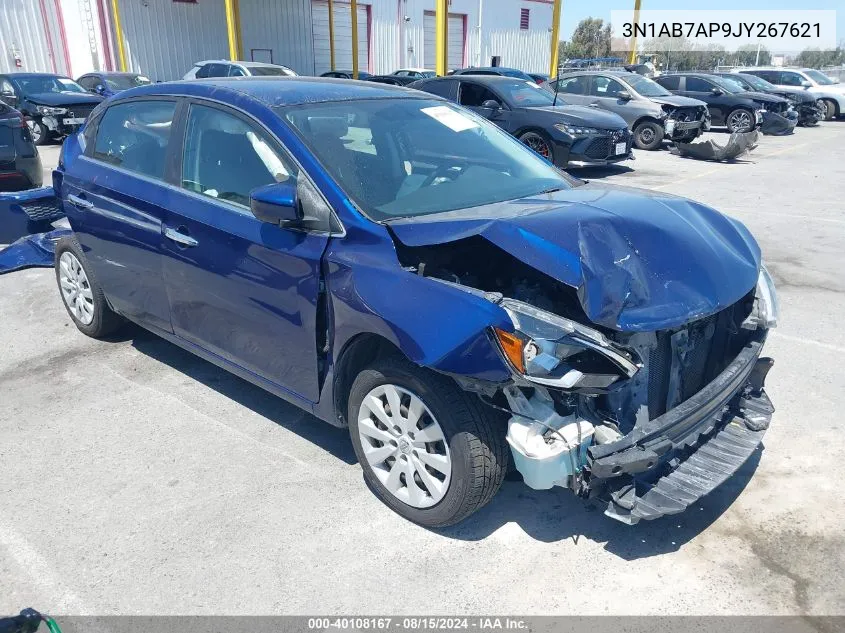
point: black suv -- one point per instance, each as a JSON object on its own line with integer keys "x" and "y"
{"x": 737, "y": 110}
{"x": 20, "y": 165}
{"x": 54, "y": 106}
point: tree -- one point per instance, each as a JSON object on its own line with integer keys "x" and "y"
{"x": 746, "y": 55}
{"x": 815, "y": 58}
{"x": 591, "y": 38}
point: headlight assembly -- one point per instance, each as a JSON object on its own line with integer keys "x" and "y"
{"x": 551, "y": 350}
{"x": 766, "y": 303}
{"x": 50, "y": 110}
{"x": 575, "y": 130}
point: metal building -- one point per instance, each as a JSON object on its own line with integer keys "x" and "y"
{"x": 164, "y": 38}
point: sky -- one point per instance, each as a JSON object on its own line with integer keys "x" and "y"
{"x": 573, "y": 11}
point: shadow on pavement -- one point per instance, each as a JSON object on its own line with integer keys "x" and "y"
{"x": 332, "y": 439}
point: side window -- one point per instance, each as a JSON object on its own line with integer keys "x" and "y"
{"x": 606, "y": 87}
{"x": 445, "y": 88}
{"x": 696, "y": 84}
{"x": 202, "y": 71}
{"x": 236, "y": 71}
{"x": 573, "y": 85}
{"x": 226, "y": 158}
{"x": 670, "y": 82}
{"x": 6, "y": 87}
{"x": 402, "y": 73}
{"x": 790, "y": 79}
{"x": 86, "y": 82}
{"x": 134, "y": 136}
{"x": 473, "y": 95}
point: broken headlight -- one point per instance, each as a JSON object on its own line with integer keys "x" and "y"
{"x": 551, "y": 350}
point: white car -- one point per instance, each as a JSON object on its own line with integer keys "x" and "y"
{"x": 828, "y": 92}
{"x": 227, "y": 68}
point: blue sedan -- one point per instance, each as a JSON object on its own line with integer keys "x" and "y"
{"x": 396, "y": 264}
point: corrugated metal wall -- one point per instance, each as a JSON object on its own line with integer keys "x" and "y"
{"x": 384, "y": 39}
{"x": 527, "y": 50}
{"x": 280, "y": 26}
{"x": 22, "y": 30}
{"x": 163, "y": 38}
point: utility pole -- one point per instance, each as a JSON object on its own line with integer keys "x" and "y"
{"x": 553, "y": 63}
{"x": 632, "y": 57}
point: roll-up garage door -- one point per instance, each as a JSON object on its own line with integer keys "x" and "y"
{"x": 455, "y": 36}
{"x": 342, "y": 36}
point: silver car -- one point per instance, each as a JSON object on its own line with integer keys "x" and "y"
{"x": 829, "y": 93}
{"x": 651, "y": 112}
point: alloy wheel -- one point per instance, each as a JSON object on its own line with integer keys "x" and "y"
{"x": 739, "y": 121}
{"x": 537, "y": 143}
{"x": 404, "y": 445}
{"x": 35, "y": 130}
{"x": 76, "y": 289}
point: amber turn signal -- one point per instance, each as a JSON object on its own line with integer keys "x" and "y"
{"x": 512, "y": 346}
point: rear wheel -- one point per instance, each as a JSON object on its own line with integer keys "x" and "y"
{"x": 427, "y": 448}
{"x": 539, "y": 143}
{"x": 81, "y": 292}
{"x": 648, "y": 135}
{"x": 740, "y": 120}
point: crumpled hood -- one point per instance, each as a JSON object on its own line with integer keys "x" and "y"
{"x": 762, "y": 96}
{"x": 582, "y": 115}
{"x": 679, "y": 101}
{"x": 64, "y": 98}
{"x": 638, "y": 260}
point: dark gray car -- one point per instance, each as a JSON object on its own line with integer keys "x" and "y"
{"x": 651, "y": 111}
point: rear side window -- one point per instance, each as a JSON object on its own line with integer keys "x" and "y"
{"x": 790, "y": 79}
{"x": 446, "y": 88}
{"x": 772, "y": 76}
{"x": 670, "y": 82}
{"x": 226, "y": 157}
{"x": 573, "y": 85}
{"x": 135, "y": 135}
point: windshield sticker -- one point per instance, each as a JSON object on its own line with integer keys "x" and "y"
{"x": 452, "y": 119}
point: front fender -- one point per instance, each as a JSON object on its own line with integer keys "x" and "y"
{"x": 435, "y": 324}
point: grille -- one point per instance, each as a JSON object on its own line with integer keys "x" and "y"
{"x": 599, "y": 148}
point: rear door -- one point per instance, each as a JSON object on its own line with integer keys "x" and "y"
{"x": 244, "y": 290}
{"x": 574, "y": 89}
{"x": 116, "y": 198}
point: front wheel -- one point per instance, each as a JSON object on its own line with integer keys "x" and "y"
{"x": 38, "y": 131}
{"x": 740, "y": 120}
{"x": 648, "y": 135}
{"x": 828, "y": 108}
{"x": 539, "y": 143}
{"x": 428, "y": 449}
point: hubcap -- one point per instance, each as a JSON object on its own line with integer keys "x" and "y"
{"x": 646, "y": 135}
{"x": 537, "y": 144}
{"x": 740, "y": 121}
{"x": 76, "y": 290}
{"x": 404, "y": 445}
{"x": 34, "y": 130}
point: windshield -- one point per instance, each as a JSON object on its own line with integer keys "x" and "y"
{"x": 646, "y": 87}
{"x": 269, "y": 71}
{"x": 411, "y": 157}
{"x": 523, "y": 94}
{"x": 125, "y": 82}
{"x": 729, "y": 85}
{"x": 820, "y": 78}
{"x": 33, "y": 85}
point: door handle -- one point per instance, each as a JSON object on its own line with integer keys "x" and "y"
{"x": 180, "y": 238}
{"x": 80, "y": 202}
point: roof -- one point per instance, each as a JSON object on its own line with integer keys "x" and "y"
{"x": 281, "y": 91}
{"x": 244, "y": 63}
{"x": 609, "y": 71}
{"x": 110, "y": 73}
{"x": 14, "y": 75}
{"x": 416, "y": 70}
{"x": 493, "y": 68}
{"x": 486, "y": 79}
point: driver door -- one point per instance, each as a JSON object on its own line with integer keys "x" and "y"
{"x": 473, "y": 95}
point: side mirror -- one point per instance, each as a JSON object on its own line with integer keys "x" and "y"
{"x": 716, "y": 92}
{"x": 99, "y": 89}
{"x": 806, "y": 84}
{"x": 491, "y": 104}
{"x": 276, "y": 204}
{"x": 624, "y": 95}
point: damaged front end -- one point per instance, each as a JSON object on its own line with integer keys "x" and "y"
{"x": 648, "y": 418}
{"x": 685, "y": 123}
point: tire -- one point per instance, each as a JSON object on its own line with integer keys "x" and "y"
{"x": 89, "y": 311}
{"x": 538, "y": 142}
{"x": 830, "y": 109}
{"x": 39, "y": 132}
{"x": 648, "y": 135}
{"x": 740, "y": 120}
{"x": 473, "y": 442}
